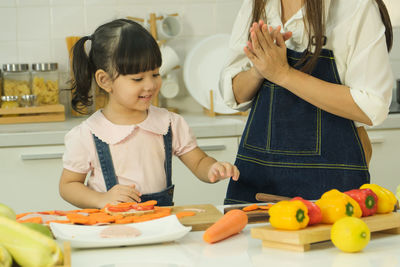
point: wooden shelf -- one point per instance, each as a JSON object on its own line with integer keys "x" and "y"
{"x": 47, "y": 113}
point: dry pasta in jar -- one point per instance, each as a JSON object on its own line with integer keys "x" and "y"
{"x": 16, "y": 80}
{"x": 45, "y": 83}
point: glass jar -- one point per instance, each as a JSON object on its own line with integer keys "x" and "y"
{"x": 45, "y": 83}
{"x": 1, "y": 84}
{"x": 16, "y": 80}
{"x": 9, "y": 101}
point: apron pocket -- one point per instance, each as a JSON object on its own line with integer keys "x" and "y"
{"x": 283, "y": 123}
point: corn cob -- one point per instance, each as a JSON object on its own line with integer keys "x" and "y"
{"x": 5, "y": 257}
{"x": 28, "y": 247}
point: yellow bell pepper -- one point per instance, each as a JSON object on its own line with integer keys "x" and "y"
{"x": 386, "y": 199}
{"x": 336, "y": 205}
{"x": 289, "y": 215}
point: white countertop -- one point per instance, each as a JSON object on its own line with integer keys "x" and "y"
{"x": 52, "y": 133}
{"x": 240, "y": 250}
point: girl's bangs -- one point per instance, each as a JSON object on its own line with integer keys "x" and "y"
{"x": 137, "y": 52}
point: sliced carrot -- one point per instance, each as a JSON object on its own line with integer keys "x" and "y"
{"x": 78, "y": 218}
{"x": 123, "y": 220}
{"x": 182, "y": 214}
{"x": 231, "y": 223}
{"x": 148, "y": 203}
{"x": 89, "y": 210}
{"x": 45, "y": 212}
{"x": 251, "y": 207}
{"x": 32, "y": 220}
{"x": 22, "y": 215}
{"x": 58, "y": 221}
{"x": 267, "y": 207}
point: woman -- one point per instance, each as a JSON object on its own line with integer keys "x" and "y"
{"x": 311, "y": 90}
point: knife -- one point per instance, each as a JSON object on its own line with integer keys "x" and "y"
{"x": 270, "y": 198}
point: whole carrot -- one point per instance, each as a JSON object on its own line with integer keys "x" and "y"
{"x": 231, "y": 223}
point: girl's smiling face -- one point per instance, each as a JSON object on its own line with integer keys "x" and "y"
{"x": 134, "y": 92}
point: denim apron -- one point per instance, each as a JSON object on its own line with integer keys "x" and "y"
{"x": 164, "y": 197}
{"x": 291, "y": 148}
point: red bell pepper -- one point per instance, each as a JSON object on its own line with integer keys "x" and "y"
{"x": 367, "y": 200}
{"x": 314, "y": 212}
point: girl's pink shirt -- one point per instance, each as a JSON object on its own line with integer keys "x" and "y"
{"x": 137, "y": 150}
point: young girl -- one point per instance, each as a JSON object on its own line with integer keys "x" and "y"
{"x": 314, "y": 72}
{"x": 127, "y": 146}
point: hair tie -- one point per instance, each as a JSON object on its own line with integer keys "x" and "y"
{"x": 90, "y": 37}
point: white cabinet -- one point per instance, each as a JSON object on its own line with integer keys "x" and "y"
{"x": 30, "y": 176}
{"x": 385, "y": 162}
{"x": 188, "y": 188}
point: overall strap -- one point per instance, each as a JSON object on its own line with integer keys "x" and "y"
{"x": 107, "y": 166}
{"x": 168, "y": 156}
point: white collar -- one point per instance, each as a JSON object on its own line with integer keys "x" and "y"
{"x": 157, "y": 121}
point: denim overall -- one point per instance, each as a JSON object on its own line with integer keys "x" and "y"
{"x": 165, "y": 197}
{"x": 291, "y": 148}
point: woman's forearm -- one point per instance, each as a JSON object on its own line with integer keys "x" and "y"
{"x": 333, "y": 98}
{"x": 246, "y": 84}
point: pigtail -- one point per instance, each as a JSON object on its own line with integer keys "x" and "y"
{"x": 83, "y": 76}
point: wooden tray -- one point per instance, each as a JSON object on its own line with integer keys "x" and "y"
{"x": 67, "y": 255}
{"x": 301, "y": 240}
{"x": 32, "y": 114}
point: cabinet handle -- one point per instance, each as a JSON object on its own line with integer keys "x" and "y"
{"x": 41, "y": 156}
{"x": 377, "y": 140}
{"x": 213, "y": 147}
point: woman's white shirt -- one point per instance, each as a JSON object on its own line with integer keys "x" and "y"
{"x": 356, "y": 35}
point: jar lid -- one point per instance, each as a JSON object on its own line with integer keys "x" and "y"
{"x": 8, "y": 98}
{"x": 15, "y": 67}
{"x": 44, "y": 66}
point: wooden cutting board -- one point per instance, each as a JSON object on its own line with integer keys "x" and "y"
{"x": 254, "y": 216}
{"x": 206, "y": 215}
{"x": 301, "y": 240}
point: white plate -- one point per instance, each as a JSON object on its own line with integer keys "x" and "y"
{"x": 156, "y": 231}
{"x": 202, "y": 68}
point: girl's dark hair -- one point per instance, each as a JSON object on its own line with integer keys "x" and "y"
{"x": 316, "y": 34}
{"x": 119, "y": 47}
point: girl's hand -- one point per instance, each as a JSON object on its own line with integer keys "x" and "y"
{"x": 222, "y": 170}
{"x": 121, "y": 193}
{"x": 267, "y": 52}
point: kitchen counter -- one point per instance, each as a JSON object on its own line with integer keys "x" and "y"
{"x": 52, "y": 133}
{"x": 241, "y": 250}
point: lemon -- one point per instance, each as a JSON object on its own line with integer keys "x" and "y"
{"x": 350, "y": 234}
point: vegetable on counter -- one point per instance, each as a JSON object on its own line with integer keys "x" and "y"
{"x": 314, "y": 212}
{"x": 335, "y": 205}
{"x": 5, "y": 257}
{"x": 386, "y": 199}
{"x": 367, "y": 200}
{"x": 230, "y": 224}
{"x": 289, "y": 215}
{"x": 27, "y": 246}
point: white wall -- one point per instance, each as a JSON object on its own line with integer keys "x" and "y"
{"x": 35, "y": 30}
